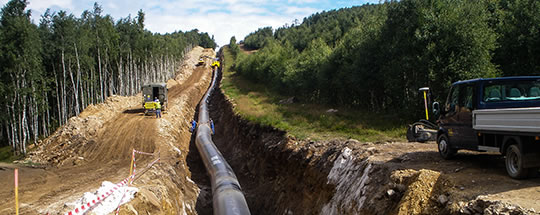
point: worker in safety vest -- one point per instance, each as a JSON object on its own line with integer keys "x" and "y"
{"x": 157, "y": 106}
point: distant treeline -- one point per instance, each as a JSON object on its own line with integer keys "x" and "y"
{"x": 52, "y": 71}
{"x": 376, "y": 57}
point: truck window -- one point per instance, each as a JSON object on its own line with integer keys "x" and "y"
{"x": 507, "y": 91}
{"x": 466, "y": 98}
{"x": 452, "y": 100}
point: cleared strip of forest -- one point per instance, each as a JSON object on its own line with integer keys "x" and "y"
{"x": 66, "y": 63}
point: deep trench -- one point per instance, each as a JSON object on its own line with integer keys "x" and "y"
{"x": 281, "y": 175}
{"x": 274, "y": 179}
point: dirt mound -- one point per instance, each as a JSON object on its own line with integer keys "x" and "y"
{"x": 421, "y": 188}
{"x": 68, "y": 143}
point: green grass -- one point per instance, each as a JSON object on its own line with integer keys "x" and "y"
{"x": 257, "y": 103}
{"x": 6, "y": 155}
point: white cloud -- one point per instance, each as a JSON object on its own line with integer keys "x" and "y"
{"x": 43, "y": 5}
{"x": 221, "y": 18}
{"x": 302, "y": 1}
{"x": 303, "y": 11}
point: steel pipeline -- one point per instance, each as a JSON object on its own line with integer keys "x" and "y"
{"x": 226, "y": 191}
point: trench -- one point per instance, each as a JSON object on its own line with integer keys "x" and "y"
{"x": 281, "y": 175}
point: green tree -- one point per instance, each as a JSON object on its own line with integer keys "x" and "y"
{"x": 21, "y": 74}
{"x": 519, "y": 41}
{"x": 257, "y": 39}
{"x": 233, "y": 46}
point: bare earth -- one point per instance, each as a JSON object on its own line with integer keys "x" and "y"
{"x": 471, "y": 174}
{"x": 96, "y": 146}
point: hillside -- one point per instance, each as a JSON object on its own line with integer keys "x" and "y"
{"x": 376, "y": 57}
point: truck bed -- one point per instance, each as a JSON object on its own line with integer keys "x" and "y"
{"x": 508, "y": 119}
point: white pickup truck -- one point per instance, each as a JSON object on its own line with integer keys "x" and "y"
{"x": 498, "y": 114}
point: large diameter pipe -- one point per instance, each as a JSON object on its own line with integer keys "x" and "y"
{"x": 227, "y": 195}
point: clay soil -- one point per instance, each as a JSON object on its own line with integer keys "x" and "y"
{"x": 96, "y": 146}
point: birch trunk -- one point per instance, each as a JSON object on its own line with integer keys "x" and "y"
{"x": 64, "y": 106}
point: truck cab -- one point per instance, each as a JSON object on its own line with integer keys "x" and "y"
{"x": 151, "y": 92}
{"x": 496, "y": 114}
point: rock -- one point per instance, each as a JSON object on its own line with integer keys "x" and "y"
{"x": 465, "y": 211}
{"x": 331, "y": 110}
{"x": 353, "y": 141}
{"x": 288, "y": 100}
{"x": 443, "y": 199}
{"x": 77, "y": 162}
{"x": 462, "y": 188}
{"x": 372, "y": 150}
{"x": 401, "y": 188}
{"x": 390, "y": 192}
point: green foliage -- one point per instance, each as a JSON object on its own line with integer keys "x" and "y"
{"x": 376, "y": 57}
{"x": 258, "y": 103}
{"x": 6, "y": 154}
{"x": 519, "y": 42}
{"x": 257, "y": 39}
{"x": 52, "y": 72}
{"x": 269, "y": 64}
{"x": 235, "y": 49}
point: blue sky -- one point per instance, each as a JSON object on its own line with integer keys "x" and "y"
{"x": 221, "y": 18}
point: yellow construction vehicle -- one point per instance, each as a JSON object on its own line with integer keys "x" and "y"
{"x": 201, "y": 62}
{"x": 215, "y": 64}
{"x": 152, "y": 93}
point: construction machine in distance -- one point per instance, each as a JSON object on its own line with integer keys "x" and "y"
{"x": 201, "y": 62}
{"x": 423, "y": 130}
{"x": 215, "y": 64}
{"x": 151, "y": 92}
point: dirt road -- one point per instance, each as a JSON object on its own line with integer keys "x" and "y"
{"x": 96, "y": 146}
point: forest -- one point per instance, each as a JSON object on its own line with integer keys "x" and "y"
{"x": 51, "y": 71}
{"x": 375, "y": 57}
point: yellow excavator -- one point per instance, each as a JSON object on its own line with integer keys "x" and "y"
{"x": 152, "y": 93}
{"x": 201, "y": 62}
{"x": 215, "y": 64}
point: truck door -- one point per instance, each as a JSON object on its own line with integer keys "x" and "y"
{"x": 466, "y": 134}
{"x": 450, "y": 119}
{"x": 155, "y": 93}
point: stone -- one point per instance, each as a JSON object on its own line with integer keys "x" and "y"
{"x": 390, "y": 192}
{"x": 288, "y": 100}
{"x": 331, "y": 110}
{"x": 443, "y": 199}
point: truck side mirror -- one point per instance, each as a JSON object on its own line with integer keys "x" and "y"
{"x": 436, "y": 108}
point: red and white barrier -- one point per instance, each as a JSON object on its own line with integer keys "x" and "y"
{"x": 144, "y": 153}
{"x": 101, "y": 196}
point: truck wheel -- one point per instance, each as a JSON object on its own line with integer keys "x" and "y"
{"x": 445, "y": 149}
{"x": 514, "y": 163}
